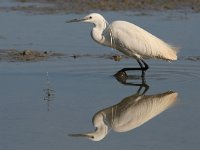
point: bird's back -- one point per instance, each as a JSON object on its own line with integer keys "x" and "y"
{"x": 136, "y": 42}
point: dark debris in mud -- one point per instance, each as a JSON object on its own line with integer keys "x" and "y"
{"x": 79, "y": 6}
{"x": 27, "y": 55}
{"x": 192, "y": 58}
{"x": 111, "y": 56}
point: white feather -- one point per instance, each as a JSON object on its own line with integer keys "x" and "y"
{"x": 136, "y": 42}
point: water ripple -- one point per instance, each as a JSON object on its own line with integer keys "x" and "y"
{"x": 182, "y": 71}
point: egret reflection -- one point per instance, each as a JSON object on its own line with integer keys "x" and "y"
{"x": 132, "y": 112}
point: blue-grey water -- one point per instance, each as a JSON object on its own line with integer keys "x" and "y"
{"x": 39, "y": 110}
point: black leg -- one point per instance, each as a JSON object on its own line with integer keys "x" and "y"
{"x": 143, "y": 67}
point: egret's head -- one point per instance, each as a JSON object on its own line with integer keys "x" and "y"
{"x": 94, "y": 18}
{"x": 100, "y": 132}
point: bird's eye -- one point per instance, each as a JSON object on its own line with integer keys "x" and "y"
{"x": 90, "y": 17}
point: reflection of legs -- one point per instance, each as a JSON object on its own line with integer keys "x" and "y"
{"x": 146, "y": 87}
{"x": 122, "y": 78}
{"x": 143, "y": 67}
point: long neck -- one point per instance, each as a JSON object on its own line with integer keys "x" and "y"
{"x": 97, "y": 32}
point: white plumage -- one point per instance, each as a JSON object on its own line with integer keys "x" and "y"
{"x": 129, "y": 39}
{"x": 137, "y": 42}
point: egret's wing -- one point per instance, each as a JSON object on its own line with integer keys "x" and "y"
{"x": 133, "y": 40}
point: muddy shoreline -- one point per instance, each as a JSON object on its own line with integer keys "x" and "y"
{"x": 28, "y": 55}
{"x": 78, "y": 6}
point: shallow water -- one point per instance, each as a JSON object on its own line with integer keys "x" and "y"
{"x": 39, "y": 111}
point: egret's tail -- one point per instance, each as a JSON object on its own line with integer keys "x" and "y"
{"x": 162, "y": 50}
{"x": 171, "y": 52}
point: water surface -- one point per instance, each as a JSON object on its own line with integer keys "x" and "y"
{"x": 81, "y": 87}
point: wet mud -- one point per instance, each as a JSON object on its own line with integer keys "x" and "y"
{"x": 27, "y": 55}
{"x": 78, "y": 6}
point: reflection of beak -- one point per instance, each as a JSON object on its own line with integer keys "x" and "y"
{"x": 82, "y": 135}
{"x": 76, "y": 20}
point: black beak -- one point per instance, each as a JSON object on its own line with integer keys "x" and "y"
{"x": 76, "y": 20}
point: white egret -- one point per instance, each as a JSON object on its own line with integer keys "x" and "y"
{"x": 132, "y": 112}
{"x": 129, "y": 39}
